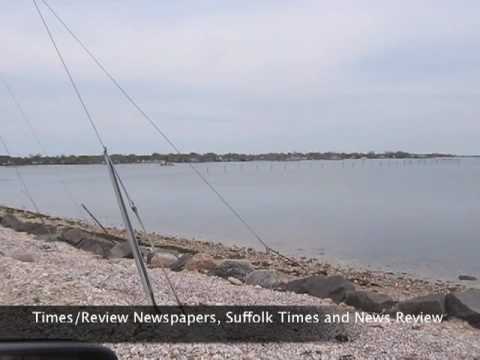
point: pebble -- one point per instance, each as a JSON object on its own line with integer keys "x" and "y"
{"x": 23, "y": 256}
{"x": 235, "y": 281}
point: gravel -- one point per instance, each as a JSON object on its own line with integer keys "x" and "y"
{"x": 61, "y": 274}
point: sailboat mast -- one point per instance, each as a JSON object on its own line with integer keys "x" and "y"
{"x": 130, "y": 232}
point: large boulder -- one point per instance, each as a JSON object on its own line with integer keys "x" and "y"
{"x": 120, "y": 250}
{"x": 87, "y": 241}
{"x": 465, "y": 305}
{"x": 238, "y": 269}
{"x": 298, "y": 285}
{"x": 179, "y": 265}
{"x": 39, "y": 228}
{"x": 162, "y": 260}
{"x": 31, "y": 227}
{"x": 12, "y": 222}
{"x": 200, "y": 262}
{"x": 369, "y": 301}
{"x": 433, "y": 304}
{"x": 269, "y": 279}
{"x": 333, "y": 287}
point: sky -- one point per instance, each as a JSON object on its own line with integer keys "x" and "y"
{"x": 246, "y": 76}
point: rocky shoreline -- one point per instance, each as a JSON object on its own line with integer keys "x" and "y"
{"x": 37, "y": 271}
{"x": 371, "y": 291}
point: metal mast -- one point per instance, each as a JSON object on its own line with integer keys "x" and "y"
{"x": 137, "y": 255}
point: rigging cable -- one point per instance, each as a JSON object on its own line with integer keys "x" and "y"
{"x": 21, "y": 179}
{"x": 72, "y": 81}
{"x": 107, "y": 157}
{"x": 129, "y": 98}
{"x": 94, "y": 218}
{"x": 34, "y": 133}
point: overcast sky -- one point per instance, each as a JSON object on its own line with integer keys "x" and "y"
{"x": 248, "y": 76}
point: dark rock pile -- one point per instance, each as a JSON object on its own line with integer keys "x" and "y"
{"x": 465, "y": 305}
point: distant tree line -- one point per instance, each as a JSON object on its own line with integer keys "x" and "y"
{"x": 207, "y": 157}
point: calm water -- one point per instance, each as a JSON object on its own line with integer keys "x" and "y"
{"x": 420, "y": 216}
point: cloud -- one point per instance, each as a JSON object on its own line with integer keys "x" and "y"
{"x": 305, "y": 75}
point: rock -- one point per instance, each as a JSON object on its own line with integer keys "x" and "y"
{"x": 87, "y": 241}
{"x": 36, "y": 228}
{"x": 238, "y": 269}
{"x": 430, "y": 304}
{"x": 268, "y": 279}
{"x": 298, "y": 285}
{"x": 12, "y": 222}
{"x": 369, "y": 301}
{"x": 467, "y": 278}
{"x": 333, "y": 287}
{"x": 180, "y": 263}
{"x": 465, "y": 305}
{"x": 200, "y": 262}
{"x": 120, "y": 250}
{"x": 162, "y": 260}
{"x": 51, "y": 237}
{"x": 23, "y": 256}
{"x": 341, "y": 337}
{"x": 234, "y": 281}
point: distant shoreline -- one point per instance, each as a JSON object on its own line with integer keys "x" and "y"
{"x": 166, "y": 159}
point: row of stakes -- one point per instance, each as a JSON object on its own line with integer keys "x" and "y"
{"x": 288, "y": 165}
